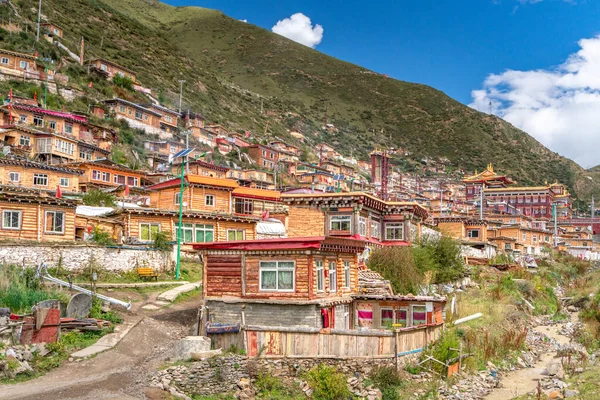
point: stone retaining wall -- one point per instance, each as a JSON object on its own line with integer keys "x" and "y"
{"x": 222, "y": 374}
{"x": 80, "y": 257}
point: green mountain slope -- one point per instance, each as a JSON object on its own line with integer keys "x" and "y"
{"x": 232, "y": 69}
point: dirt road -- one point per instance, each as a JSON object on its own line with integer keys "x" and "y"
{"x": 119, "y": 373}
{"x": 522, "y": 381}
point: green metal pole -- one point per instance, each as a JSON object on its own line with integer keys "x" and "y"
{"x": 179, "y": 231}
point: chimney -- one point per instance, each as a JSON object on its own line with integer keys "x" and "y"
{"x": 82, "y": 51}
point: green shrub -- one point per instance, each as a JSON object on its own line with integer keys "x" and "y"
{"x": 162, "y": 241}
{"x": 102, "y": 237}
{"x": 327, "y": 383}
{"x": 388, "y": 380}
{"x": 397, "y": 265}
{"x": 123, "y": 81}
{"x": 96, "y": 312}
{"x": 98, "y": 198}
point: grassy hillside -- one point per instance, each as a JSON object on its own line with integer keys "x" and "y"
{"x": 231, "y": 68}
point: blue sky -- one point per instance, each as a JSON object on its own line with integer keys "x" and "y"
{"x": 453, "y": 46}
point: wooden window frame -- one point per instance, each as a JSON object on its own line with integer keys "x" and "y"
{"x": 320, "y": 270}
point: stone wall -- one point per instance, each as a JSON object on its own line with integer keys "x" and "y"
{"x": 221, "y": 375}
{"x": 78, "y": 257}
{"x": 265, "y": 314}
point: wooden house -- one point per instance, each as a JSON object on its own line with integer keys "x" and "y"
{"x": 104, "y": 173}
{"x": 218, "y": 130}
{"x": 252, "y": 178}
{"x": 203, "y": 168}
{"x": 201, "y": 193}
{"x": 34, "y": 215}
{"x": 240, "y": 140}
{"x": 29, "y": 174}
{"x": 52, "y": 29}
{"x": 65, "y": 123}
{"x": 264, "y": 156}
{"x": 302, "y": 282}
{"x": 258, "y": 202}
{"x": 286, "y": 151}
{"x": 137, "y": 116}
{"x": 354, "y": 214}
{"x": 140, "y": 225}
{"x": 17, "y": 64}
{"x": 168, "y": 119}
{"x": 110, "y": 69}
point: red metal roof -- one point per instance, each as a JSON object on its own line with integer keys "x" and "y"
{"x": 297, "y": 243}
{"x": 59, "y": 114}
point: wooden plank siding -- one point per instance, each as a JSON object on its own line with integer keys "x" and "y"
{"x": 168, "y": 223}
{"x": 26, "y": 178}
{"x": 301, "y": 289}
{"x": 33, "y": 218}
{"x": 195, "y": 196}
{"x": 337, "y": 345}
{"x": 305, "y": 221}
{"x": 225, "y": 275}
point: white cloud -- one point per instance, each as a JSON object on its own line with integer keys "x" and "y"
{"x": 299, "y": 28}
{"x": 559, "y": 106}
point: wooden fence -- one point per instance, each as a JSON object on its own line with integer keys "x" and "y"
{"x": 310, "y": 343}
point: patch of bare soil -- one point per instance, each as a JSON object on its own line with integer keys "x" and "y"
{"x": 119, "y": 373}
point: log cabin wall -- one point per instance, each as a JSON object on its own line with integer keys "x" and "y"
{"x": 195, "y": 196}
{"x": 33, "y": 220}
{"x": 224, "y": 275}
{"x": 305, "y": 221}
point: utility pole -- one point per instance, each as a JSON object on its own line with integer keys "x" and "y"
{"x": 555, "y": 224}
{"x": 181, "y": 82}
{"x": 39, "y": 21}
{"x": 593, "y": 214}
{"x": 180, "y": 224}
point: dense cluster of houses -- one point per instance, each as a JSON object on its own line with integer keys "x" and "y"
{"x": 281, "y": 237}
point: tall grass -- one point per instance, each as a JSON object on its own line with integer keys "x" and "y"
{"x": 20, "y": 289}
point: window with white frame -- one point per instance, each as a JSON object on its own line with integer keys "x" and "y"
{"x": 5, "y": 60}
{"x": 340, "y": 222}
{"x": 419, "y": 315}
{"x": 375, "y": 230}
{"x": 11, "y": 219}
{"x": 173, "y": 149}
{"x": 177, "y": 198}
{"x": 148, "y": 231}
{"x": 103, "y": 67}
{"x": 119, "y": 179}
{"x": 55, "y": 222}
{"x": 473, "y": 233}
{"x": 362, "y": 226}
{"x": 96, "y": 175}
{"x": 209, "y": 200}
{"x": 106, "y": 176}
{"x": 394, "y": 231}
{"x": 132, "y": 181}
{"x": 23, "y": 119}
{"x": 24, "y": 140}
{"x": 40, "y": 179}
{"x": 38, "y": 121}
{"x": 168, "y": 118}
{"x": 68, "y": 127}
{"x": 64, "y": 147}
{"x": 138, "y": 114}
{"x": 277, "y": 276}
{"x": 188, "y": 232}
{"x": 534, "y": 238}
{"x": 14, "y": 177}
{"x": 347, "y": 274}
{"x": 524, "y": 236}
{"x": 332, "y": 276}
{"x": 320, "y": 276}
{"x": 235, "y": 234}
{"x": 52, "y": 125}
{"x": 64, "y": 182}
{"x": 24, "y": 64}
{"x": 85, "y": 154}
{"x": 205, "y": 233}
{"x": 122, "y": 108}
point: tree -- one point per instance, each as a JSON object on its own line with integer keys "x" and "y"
{"x": 99, "y": 198}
